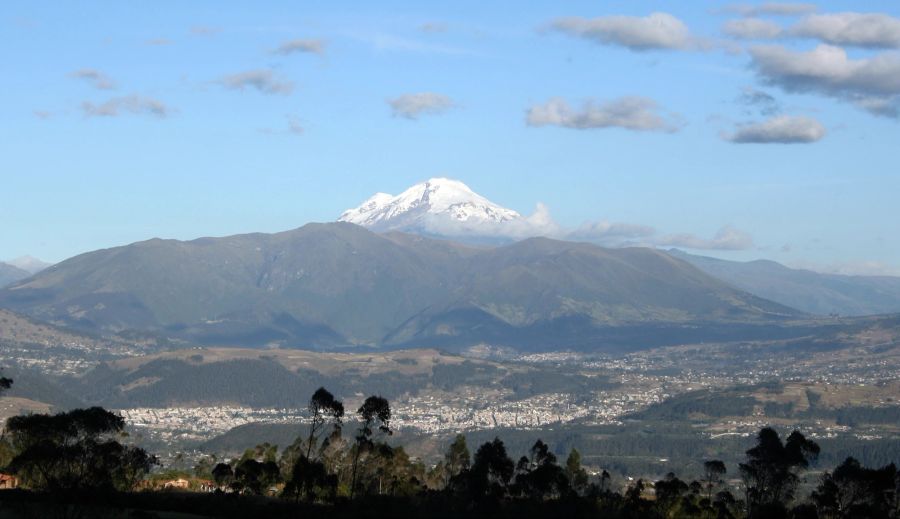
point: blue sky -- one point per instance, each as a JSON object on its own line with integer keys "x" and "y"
{"x": 126, "y": 121}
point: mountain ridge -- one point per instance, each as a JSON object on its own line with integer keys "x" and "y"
{"x": 338, "y": 284}
{"x": 806, "y": 290}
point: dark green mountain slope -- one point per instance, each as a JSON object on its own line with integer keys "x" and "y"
{"x": 325, "y": 285}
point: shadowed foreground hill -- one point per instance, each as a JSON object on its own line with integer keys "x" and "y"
{"x": 326, "y": 285}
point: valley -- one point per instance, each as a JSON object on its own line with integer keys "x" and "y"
{"x": 838, "y": 385}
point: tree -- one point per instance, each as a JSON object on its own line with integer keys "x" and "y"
{"x": 539, "y": 477}
{"x": 5, "y": 383}
{"x": 713, "y": 471}
{"x": 669, "y": 492}
{"x": 254, "y": 476}
{"x": 770, "y": 473}
{"x": 374, "y": 413}
{"x": 491, "y": 471}
{"x": 74, "y": 451}
{"x": 309, "y": 479}
{"x": 322, "y": 408}
{"x": 856, "y": 491}
{"x": 223, "y": 475}
{"x": 204, "y": 466}
{"x": 578, "y": 477}
{"x": 457, "y": 459}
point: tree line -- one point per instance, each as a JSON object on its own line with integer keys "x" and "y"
{"x": 83, "y": 452}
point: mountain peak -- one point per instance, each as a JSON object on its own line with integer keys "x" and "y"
{"x": 438, "y": 205}
{"x": 29, "y": 264}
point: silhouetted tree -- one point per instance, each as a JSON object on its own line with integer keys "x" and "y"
{"x": 74, "y": 451}
{"x": 852, "y": 490}
{"x": 713, "y": 471}
{"x": 578, "y": 477}
{"x": 254, "y": 476}
{"x": 223, "y": 475}
{"x": 310, "y": 479}
{"x": 457, "y": 458}
{"x": 539, "y": 477}
{"x": 770, "y": 473}
{"x": 491, "y": 471}
{"x": 323, "y": 407}
{"x": 669, "y": 492}
{"x": 5, "y": 383}
{"x": 375, "y": 411}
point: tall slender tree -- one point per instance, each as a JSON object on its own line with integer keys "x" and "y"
{"x": 374, "y": 414}
{"x": 323, "y": 407}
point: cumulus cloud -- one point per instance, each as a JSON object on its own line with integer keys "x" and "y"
{"x": 632, "y": 113}
{"x": 772, "y": 9}
{"x": 94, "y": 77}
{"x": 301, "y": 46}
{"x": 765, "y": 103}
{"x": 783, "y": 129}
{"x": 752, "y": 29}
{"x": 411, "y": 106}
{"x": 654, "y": 32}
{"x": 871, "y": 83}
{"x": 133, "y": 104}
{"x": 727, "y": 238}
{"x": 262, "y": 80}
{"x": 858, "y": 29}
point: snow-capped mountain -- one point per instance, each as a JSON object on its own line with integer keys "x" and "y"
{"x": 438, "y": 206}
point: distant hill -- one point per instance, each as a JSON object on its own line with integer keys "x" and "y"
{"x": 29, "y": 264}
{"x": 10, "y": 274}
{"x": 338, "y": 284}
{"x": 812, "y": 292}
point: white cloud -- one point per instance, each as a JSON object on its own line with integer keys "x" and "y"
{"x": 95, "y": 78}
{"x": 261, "y": 80}
{"x": 132, "y": 104}
{"x": 727, "y": 238}
{"x": 858, "y": 29}
{"x": 632, "y": 113}
{"x": 611, "y": 233}
{"x": 872, "y": 83}
{"x": 301, "y": 46}
{"x": 411, "y": 106}
{"x": 653, "y": 32}
{"x": 783, "y": 129}
{"x": 772, "y": 9}
{"x": 752, "y": 29}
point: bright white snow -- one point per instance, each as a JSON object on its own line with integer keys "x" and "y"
{"x": 438, "y": 206}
